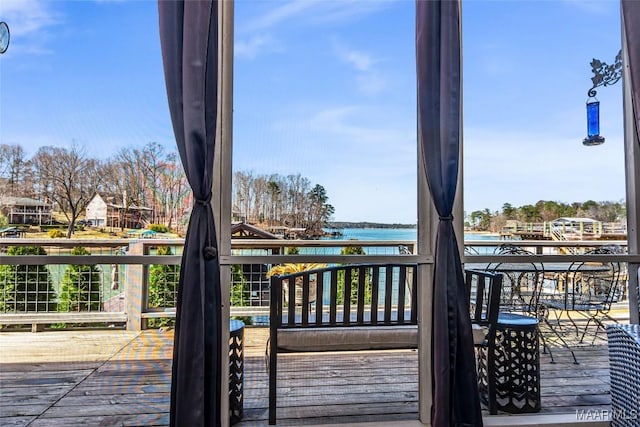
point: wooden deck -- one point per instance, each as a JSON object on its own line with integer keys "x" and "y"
{"x": 80, "y": 378}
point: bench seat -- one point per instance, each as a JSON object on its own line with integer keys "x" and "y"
{"x": 351, "y": 338}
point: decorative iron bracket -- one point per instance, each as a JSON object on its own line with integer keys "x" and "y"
{"x": 605, "y": 74}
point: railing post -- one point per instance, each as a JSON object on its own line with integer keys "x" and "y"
{"x": 135, "y": 289}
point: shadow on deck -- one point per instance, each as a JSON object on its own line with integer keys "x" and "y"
{"x": 79, "y": 378}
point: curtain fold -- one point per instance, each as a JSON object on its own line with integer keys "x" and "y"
{"x": 439, "y": 85}
{"x": 631, "y": 28}
{"x": 631, "y": 22}
{"x": 189, "y": 40}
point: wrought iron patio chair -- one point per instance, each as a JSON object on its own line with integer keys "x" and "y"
{"x": 588, "y": 289}
{"x": 520, "y": 284}
{"x": 522, "y": 288}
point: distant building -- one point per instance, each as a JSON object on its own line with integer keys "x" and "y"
{"x": 96, "y": 212}
{"x": 254, "y": 276}
{"x": 100, "y": 213}
{"x": 23, "y": 210}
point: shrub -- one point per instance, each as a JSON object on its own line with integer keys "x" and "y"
{"x": 353, "y": 250}
{"x": 80, "y": 290}
{"x": 239, "y": 287}
{"x": 56, "y": 233}
{"x": 159, "y": 228}
{"x": 163, "y": 288}
{"x": 26, "y": 287}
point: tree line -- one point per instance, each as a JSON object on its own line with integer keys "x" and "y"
{"x": 545, "y": 211}
{"x": 153, "y": 177}
{"x": 291, "y": 201}
{"x": 68, "y": 178}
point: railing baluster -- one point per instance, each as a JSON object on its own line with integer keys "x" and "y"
{"x": 361, "y": 294}
{"x": 387, "y": 294}
{"x": 305, "y": 299}
{"x": 319, "y": 299}
{"x": 333, "y": 298}
{"x": 402, "y": 283}
{"x": 346, "y": 313}
{"x": 375, "y": 283}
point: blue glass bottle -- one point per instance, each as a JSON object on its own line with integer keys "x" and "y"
{"x": 593, "y": 124}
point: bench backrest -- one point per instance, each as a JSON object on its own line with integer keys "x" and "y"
{"x": 484, "y": 289}
{"x": 345, "y": 295}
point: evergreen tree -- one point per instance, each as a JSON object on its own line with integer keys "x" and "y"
{"x": 353, "y": 297}
{"x": 163, "y": 287}
{"x": 239, "y": 287}
{"x": 81, "y": 286}
{"x": 25, "y": 288}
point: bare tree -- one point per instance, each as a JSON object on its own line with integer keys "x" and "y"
{"x": 276, "y": 199}
{"x": 13, "y": 166}
{"x": 152, "y": 160}
{"x": 67, "y": 177}
{"x": 149, "y": 177}
{"x": 172, "y": 190}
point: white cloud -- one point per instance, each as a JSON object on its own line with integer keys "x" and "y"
{"x": 360, "y": 60}
{"x": 355, "y": 125}
{"x": 371, "y": 83}
{"x": 281, "y": 13}
{"x": 595, "y": 7}
{"x": 357, "y": 155}
{"x": 317, "y": 12}
{"x": 521, "y": 169}
{"x": 26, "y": 17}
{"x": 369, "y": 80}
{"x": 256, "y": 45}
{"x": 29, "y": 22}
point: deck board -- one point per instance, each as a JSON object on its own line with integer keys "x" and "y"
{"x": 78, "y": 378}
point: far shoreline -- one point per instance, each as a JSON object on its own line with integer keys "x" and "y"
{"x": 366, "y": 224}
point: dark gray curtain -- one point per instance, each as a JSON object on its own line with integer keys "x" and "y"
{"x": 438, "y": 52}
{"x": 631, "y": 29}
{"x": 631, "y": 22}
{"x": 189, "y": 37}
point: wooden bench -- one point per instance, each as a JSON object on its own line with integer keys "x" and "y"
{"x": 341, "y": 308}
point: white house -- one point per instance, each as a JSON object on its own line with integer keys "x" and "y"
{"x": 96, "y": 212}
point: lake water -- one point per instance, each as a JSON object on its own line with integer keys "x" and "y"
{"x": 378, "y": 233}
{"x": 398, "y": 234}
{"x": 383, "y": 234}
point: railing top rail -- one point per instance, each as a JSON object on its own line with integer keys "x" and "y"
{"x": 89, "y": 259}
{"x": 10, "y": 241}
{"x": 546, "y": 243}
{"x": 282, "y": 243}
{"x": 550, "y": 258}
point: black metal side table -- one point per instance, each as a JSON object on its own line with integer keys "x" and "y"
{"x": 236, "y": 370}
{"x": 516, "y": 355}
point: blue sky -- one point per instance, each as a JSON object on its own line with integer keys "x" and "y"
{"x": 327, "y": 89}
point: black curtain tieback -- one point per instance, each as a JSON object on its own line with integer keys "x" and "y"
{"x": 446, "y": 218}
{"x": 209, "y": 253}
{"x": 204, "y": 202}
